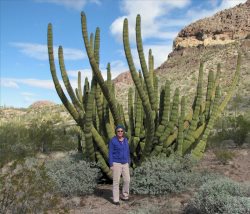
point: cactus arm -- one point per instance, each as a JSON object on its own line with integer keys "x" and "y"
{"x": 216, "y": 81}
{"x": 145, "y": 102}
{"x": 181, "y": 127}
{"x": 173, "y": 119}
{"x": 198, "y": 151}
{"x": 188, "y": 141}
{"x": 217, "y": 110}
{"x": 100, "y": 143}
{"x": 145, "y": 71}
{"x": 79, "y": 88}
{"x": 232, "y": 86}
{"x": 71, "y": 109}
{"x": 67, "y": 84}
{"x": 130, "y": 113}
{"x": 88, "y": 126}
{"x": 209, "y": 93}
{"x": 151, "y": 67}
{"x": 166, "y": 109}
{"x": 103, "y": 165}
{"x": 94, "y": 66}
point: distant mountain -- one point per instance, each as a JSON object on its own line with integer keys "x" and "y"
{"x": 41, "y": 104}
{"x": 216, "y": 39}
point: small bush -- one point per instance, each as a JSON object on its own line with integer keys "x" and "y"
{"x": 224, "y": 156}
{"x": 26, "y": 188}
{"x": 73, "y": 177}
{"x": 232, "y": 128}
{"x": 162, "y": 176}
{"x": 221, "y": 196}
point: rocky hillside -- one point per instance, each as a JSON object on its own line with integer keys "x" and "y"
{"x": 214, "y": 40}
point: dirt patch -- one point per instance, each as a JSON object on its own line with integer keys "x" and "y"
{"x": 237, "y": 169}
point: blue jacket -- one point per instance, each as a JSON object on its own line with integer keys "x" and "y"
{"x": 118, "y": 151}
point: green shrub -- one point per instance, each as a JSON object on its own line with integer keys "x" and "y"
{"x": 235, "y": 128}
{"x": 224, "y": 156}
{"x": 24, "y": 137}
{"x": 158, "y": 176}
{"x": 73, "y": 177}
{"x": 221, "y": 196}
{"x": 14, "y": 143}
{"x": 26, "y": 188}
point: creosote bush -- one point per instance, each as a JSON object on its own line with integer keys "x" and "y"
{"x": 221, "y": 196}
{"x": 73, "y": 177}
{"x": 158, "y": 176}
{"x": 26, "y": 188}
{"x": 224, "y": 156}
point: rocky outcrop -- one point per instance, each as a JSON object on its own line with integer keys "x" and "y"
{"x": 223, "y": 28}
{"x": 216, "y": 39}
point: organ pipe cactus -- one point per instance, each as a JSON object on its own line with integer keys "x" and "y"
{"x": 156, "y": 124}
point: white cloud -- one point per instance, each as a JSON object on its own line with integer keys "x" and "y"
{"x": 72, "y": 4}
{"x": 40, "y": 52}
{"x": 38, "y": 83}
{"x": 151, "y": 14}
{"x": 198, "y": 13}
{"x": 8, "y": 83}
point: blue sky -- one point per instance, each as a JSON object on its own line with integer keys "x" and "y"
{"x": 24, "y": 66}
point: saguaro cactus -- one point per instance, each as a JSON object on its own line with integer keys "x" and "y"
{"x": 154, "y": 127}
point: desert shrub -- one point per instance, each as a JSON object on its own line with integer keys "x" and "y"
{"x": 73, "y": 177}
{"x": 26, "y": 188}
{"x": 14, "y": 143}
{"x": 221, "y": 196}
{"x": 224, "y": 155}
{"x": 158, "y": 176}
{"x": 201, "y": 177}
{"x": 24, "y": 137}
{"x": 234, "y": 128}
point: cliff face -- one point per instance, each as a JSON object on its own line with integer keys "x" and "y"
{"x": 224, "y": 27}
{"x": 216, "y": 39}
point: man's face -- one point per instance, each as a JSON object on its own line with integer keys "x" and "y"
{"x": 119, "y": 132}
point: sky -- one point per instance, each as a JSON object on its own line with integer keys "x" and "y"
{"x": 24, "y": 66}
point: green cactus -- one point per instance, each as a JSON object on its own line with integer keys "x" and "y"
{"x": 156, "y": 123}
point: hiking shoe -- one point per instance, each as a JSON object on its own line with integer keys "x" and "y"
{"x": 117, "y": 203}
{"x": 124, "y": 198}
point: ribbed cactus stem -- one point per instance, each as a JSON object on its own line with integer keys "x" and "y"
{"x": 71, "y": 109}
{"x": 131, "y": 113}
{"x": 145, "y": 71}
{"x": 198, "y": 151}
{"x": 189, "y": 139}
{"x": 97, "y": 46}
{"x": 145, "y": 102}
{"x": 110, "y": 99}
{"x": 79, "y": 88}
{"x": 102, "y": 146}
{"x": 85, "y": 92}
{"x": 103, "y": 165}
{"x": 67, "y": 84}
{"x": 87, "y": 128}
{"x": 209, "y": 93}
{"x": 151, "y": 67}
{"x": 181, "y": 126}
{"x": 216, "y": 81}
